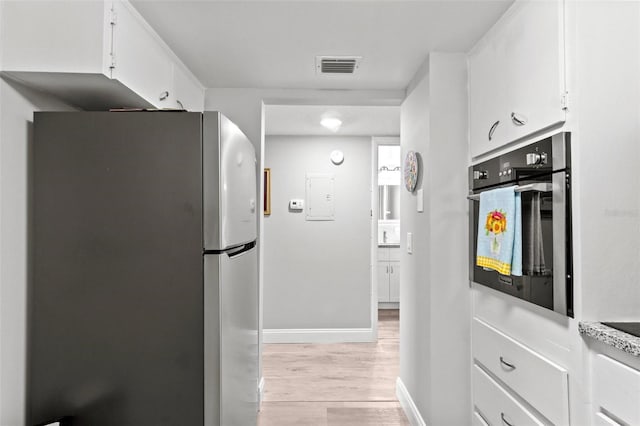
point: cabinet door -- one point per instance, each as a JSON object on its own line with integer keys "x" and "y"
{"x": 60, "y": 36}
{"x": 383, "y": 281}
{"x": 394, "y": 281}
{"x": 141, "y": 62}
{"x": 487, "y": 121}
{"x": 616, "y": 389}
{"x": 534, "y": 41}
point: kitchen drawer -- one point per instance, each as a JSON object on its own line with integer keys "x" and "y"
{"x": 616, "y": 389}
{"x": 394, "y": 253}
{"x": 383, "y": 254}
{"x": 477, "y": 420}
{"x": 537, "y": 380}
{"x": 388, "y": 254}
{"x": 497, "y": 405}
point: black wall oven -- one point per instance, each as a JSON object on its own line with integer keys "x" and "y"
{"x": 541, "y": 173}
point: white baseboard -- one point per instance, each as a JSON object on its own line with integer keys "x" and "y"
{"x": 409, "y": 407}
{"x": 260, "y": 392}
{"x": 318, "y": 335}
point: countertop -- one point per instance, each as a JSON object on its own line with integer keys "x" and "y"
{"x": 616, "y": 338}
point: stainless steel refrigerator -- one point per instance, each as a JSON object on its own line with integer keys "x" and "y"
{"x": 143, "y": 302}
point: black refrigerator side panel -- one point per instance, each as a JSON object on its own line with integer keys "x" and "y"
{"x": 115, "y": 304}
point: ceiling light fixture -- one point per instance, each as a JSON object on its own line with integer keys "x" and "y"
{"x": 331, "y": 123}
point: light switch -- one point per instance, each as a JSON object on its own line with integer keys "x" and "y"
{"x": 420, "y": 200}
{"x": 409, "y": 242}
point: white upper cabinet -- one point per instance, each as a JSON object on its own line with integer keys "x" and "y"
{"x": 487, "y": 125}
{"x": 139, "y": 60}
{"x": 55, "y": 36}
{"x": 95, "y": 55}
{"x": 517, "y": 76}
{"x": 142, "y": 61}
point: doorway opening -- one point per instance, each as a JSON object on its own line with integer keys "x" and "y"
{"x": 386, "y": 209}
{"x": 328, "y": 351}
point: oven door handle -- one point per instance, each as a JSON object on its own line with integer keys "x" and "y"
{"x": 532, "y": 187}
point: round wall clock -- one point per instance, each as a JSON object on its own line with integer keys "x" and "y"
{"x": 411, "y": 171}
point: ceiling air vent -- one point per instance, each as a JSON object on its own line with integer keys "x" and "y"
{"x": 337, "y": 64}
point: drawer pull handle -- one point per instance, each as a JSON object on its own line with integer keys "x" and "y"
{"x": 505, "y": 420}
{"x": 164, "y": 95}
{"x": 506, "y": 364}
{"x": 493, "y": 129}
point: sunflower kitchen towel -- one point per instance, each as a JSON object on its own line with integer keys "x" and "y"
{"x": 498, "y": 221}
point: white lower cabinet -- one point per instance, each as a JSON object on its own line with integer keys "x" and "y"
{"x": 616, "y": 392}
{"x": 520, "y": 372}
{"x": 497, "y": 405}
{"x": 388, "y": 274}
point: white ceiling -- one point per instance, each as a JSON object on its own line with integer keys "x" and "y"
{"x": 273, "y": 44}
{"x": 356, "y": 120}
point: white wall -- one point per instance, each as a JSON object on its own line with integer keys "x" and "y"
{"x": 415, "y": 291}
{"x": 17, "y": 105}
{"x": 448, "y": 211}
{"x": 434, "y": 292}
{"x": 317, "y": 273}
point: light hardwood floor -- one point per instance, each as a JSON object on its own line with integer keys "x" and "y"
{"x": 334, "y": 384}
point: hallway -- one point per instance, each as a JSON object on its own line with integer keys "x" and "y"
{"x": 334, "y": 384}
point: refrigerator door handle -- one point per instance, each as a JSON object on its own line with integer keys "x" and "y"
{"x": 233, "y": 251}
{"x": 237, "y": 251}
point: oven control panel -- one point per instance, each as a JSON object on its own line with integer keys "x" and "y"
{"x": 527, "y": 161}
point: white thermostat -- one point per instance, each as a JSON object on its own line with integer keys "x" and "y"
{"x": 296, "y": 204}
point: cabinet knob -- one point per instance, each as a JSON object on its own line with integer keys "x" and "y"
{"x": 164, "y": 95}
{"x": 493, "y": 129}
